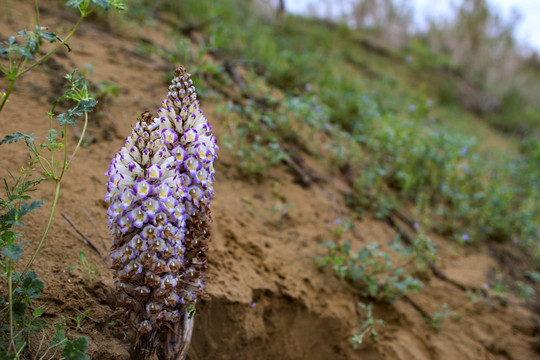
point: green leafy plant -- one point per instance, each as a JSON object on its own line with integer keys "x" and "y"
{"x": 439, "y": 317}
{"x": 21, "y": 50}
{"x": 90, "y": 271}
{"x": 80, "y": 318}
{"x": 23, "y": 287}
{"x": 368, "y": 326}
{"x": 371, "y": 270}
{"x": 52, "y": 156}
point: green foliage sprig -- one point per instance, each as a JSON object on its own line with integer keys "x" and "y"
{"x": 371, "y": 270}
{"x": 23, "y": 287}
{"x": 368, "y": 326}
{"x": 20, "y": 50}
{"x": 18, "y": 318}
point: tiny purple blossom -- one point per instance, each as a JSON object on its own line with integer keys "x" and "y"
{"x": 154, "y": 172}
{"x": 169, "y": 136}
{"x": 138, "y": 217}
{"x": 126, "y": 198}
{"x": 191, "y": 135}
{"x": 124, "y": 223}
{"x": 151, "y": 206}
{"x": 163, "y": 191}
{"x": 170, "y": 204}
{"x": 179, "y": 153}
{"x": 142, "y": 188}
{"x": 192, "y": 165}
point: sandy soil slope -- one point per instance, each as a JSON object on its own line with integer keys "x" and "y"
{"x": 266, "y": 297}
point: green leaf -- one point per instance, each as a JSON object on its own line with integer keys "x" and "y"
{"x": 28, "y": 208}
{"x": 3, "y": 51}
{"x": 372, "y": 288}
{"x": 35, "y": 324}
{"x": 534, "y": 275}
{"x": 17, "y": 136}
{"x": 58, "y": 337}
{"x": 85, "y": 106}
{"x": 74, "y": 350}
{"x": 13, "y": 251}
{"x": 118, "y": 4}
{"x": 19, "y": 309}
{"x": 30, "y": 286}
{"x": 103, "y": 3}
{"x": 38, "y": 312}
{"x": 74, "y": 3}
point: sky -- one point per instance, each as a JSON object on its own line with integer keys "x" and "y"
{"x": 528, "y": 29}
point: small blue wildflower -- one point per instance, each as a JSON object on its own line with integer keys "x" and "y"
{"x": 465, "y": 237}
{"x": 309, "y": 87}
{"x": 365, "y": 98}
{"x": 412, "y": 108}
{"x": 408, "y": 59}
{"x": 318, "y": 108}
{"x": 464, "y": 150}
{"x": 416, "y": 226}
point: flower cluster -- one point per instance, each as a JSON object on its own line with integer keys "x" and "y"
{"x": 159, "y": 189}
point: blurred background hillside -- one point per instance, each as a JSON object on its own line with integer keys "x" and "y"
{"x": 493, "y": 44}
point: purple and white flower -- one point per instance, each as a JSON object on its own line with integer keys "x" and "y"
{"x": 160, "y": 185}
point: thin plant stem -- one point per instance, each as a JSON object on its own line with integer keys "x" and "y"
{"x": 36, "y": 2}
{"x": 46, "y": 56}
{"x": 6, "y": 95}
{"x": 51, "y": 216}
{"x": 10, "y": 295}
{"x": 55, "y": 347}
{"x": 79, "y": 143}
{"x": 40, "y": 345}
{"x": 56, "y": 195}
{"x": 65, "y": 163}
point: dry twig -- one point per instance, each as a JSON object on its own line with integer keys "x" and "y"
{"x": 86, "y": 239}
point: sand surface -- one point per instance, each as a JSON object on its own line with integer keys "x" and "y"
{"x": 267, "y": 299}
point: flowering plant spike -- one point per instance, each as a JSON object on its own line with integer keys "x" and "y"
{"x": 159, "y": 188}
